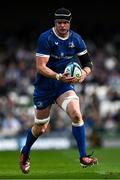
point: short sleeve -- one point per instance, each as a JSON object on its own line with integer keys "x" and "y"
{"x": 43, "y": 48}
{"x": 81, "y": 46}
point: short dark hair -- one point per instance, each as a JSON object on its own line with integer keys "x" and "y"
{"x": 63, "y": 13}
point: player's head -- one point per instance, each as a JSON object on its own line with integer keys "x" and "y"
{"x": 63, "y": 13}
{"x": 62, "y": 19}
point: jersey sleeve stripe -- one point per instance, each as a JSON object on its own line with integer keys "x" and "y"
{"x": 82, "y": 53}
{"x": 42, "y": 55}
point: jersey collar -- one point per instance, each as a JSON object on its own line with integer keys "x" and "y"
{"x": 59, "y": 36}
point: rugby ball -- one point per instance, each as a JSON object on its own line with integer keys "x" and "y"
{"x": 74, "y": 70}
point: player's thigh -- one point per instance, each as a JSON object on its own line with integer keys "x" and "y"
{"x": 72, "y": 105}
{"x": 42, "y": 113}
{"x": 63, "y": 96}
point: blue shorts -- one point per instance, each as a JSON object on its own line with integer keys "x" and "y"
{"x": 47, "y": 91}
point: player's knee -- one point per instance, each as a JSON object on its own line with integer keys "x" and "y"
{"x": 41, "y": 125}
{"x": 42, "y": 128}
{"x": 76, "y": 116}
{"x": 39, "y": 129}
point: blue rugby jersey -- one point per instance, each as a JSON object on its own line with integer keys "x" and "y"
{"x": 60, "y": 51}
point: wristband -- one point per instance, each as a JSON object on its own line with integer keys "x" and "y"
{"x": 58, "y": 76}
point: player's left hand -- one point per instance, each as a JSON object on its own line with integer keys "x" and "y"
{"x": 81, "y": 79}
{"x": 83, "y": 76}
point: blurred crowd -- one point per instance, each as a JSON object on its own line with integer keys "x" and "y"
{"x": 99, "y": 94}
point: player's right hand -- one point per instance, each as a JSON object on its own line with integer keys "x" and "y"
{"x": 66, "y": 78}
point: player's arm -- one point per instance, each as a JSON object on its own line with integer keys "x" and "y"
{"x": 87, "y": 65}
{"x": 43, "y": 69}
{"x": 41, "y": 65}
{"x": 42, "y": 58}
{"x": 84, "y": 57}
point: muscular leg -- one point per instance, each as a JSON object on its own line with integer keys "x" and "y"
{"x": 70, "y": 103}
{"x": 38, "y": 128}
{"x": 72, "y": 107}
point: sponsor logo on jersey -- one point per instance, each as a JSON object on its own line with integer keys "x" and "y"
{"x": 56, "y": 43}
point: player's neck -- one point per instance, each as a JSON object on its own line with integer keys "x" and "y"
{"x": 59, "y": 35}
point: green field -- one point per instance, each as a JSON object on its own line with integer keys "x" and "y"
{"x": 61, "y": 164}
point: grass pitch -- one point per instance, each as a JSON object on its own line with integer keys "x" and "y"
{"x": 61, "y": 164}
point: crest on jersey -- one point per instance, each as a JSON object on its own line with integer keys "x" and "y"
{"x": 71, "y": 45}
